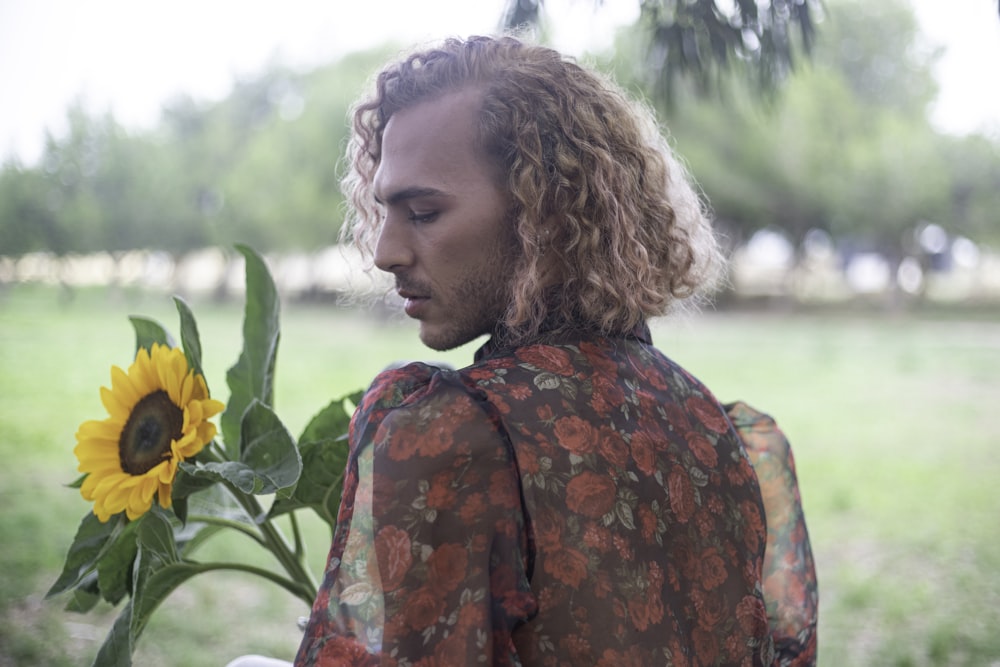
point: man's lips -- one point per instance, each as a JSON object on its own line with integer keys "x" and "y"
{"x": 412, "y": 302}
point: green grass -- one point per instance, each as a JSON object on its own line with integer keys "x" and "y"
{"x": 893, "y": 422}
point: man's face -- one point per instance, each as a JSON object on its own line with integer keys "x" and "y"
{"x": 443, "y": 235}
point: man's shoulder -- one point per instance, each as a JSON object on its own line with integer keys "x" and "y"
{"x": 422, "y": 412}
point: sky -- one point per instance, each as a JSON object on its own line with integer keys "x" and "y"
{"x": 129, "y": 56}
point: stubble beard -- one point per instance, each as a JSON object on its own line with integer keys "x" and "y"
{"x": 478, "y": 305}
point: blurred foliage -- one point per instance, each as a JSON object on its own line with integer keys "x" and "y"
{"x": 701, "y": 41}
{"x": 844, "y": 145}
{"x": 258, "y": 167}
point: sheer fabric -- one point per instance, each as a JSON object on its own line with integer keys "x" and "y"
{"x": 581, "y": 502}
{"x": 790, "y": 588}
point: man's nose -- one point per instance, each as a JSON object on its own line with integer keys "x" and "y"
{"x": 393, "y": 250}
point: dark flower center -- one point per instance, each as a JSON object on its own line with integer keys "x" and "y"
{"x": 145, "y": 440}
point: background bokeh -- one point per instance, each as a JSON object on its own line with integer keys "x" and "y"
{"x": 859, "y": 202}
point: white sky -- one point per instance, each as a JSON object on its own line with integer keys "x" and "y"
{"x": 131, "y": 55}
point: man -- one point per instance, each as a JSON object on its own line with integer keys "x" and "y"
{"x": 573, "y": 497}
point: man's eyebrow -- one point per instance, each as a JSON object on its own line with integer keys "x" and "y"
{"x": 410, "y": 193}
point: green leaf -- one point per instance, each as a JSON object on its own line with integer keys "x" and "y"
{"x": 252, "y": 377}
{"x": 158, "y": 570}
{"x": 189, "y": 336}
{"x": 269, "y": 460}
{"x": 324, "y": 450}
{"x": 149, "y": 331}
{"x": 78, "y": 482}
{"x": 332, "y": 421}
{"x": 321, "y": 483}
{"x": 185, "y": 485}
{"x": 236, "y": 473}
{"x": 268, "y": 448}
{"x": 180, "y": 508}
{"x": 115, "y": 565}
{"x": 116, "y": 651}
{"x": 88, "y": 546}
{"x": 85, "y": 596}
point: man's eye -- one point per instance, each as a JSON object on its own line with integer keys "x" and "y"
{"x": 422, "y": 217}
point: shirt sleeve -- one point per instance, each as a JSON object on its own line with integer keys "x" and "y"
{"x": 430, "y": 564}
{"x": 789, "y": 573}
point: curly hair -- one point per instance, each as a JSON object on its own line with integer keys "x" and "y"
{"x": 611, "y": 231}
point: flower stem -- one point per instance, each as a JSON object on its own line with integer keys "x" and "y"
{"x": 294, "y": 587}
{"x": 276, "y": 543}
{"x": 297, "y": 534}
{"x": 229, "y": 523}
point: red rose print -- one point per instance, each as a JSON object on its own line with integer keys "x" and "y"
{"x": 520, "y": 392}
{"x": 546, "y": 358}
{"x": 392, "y": 550}
{"x": 577, "y": 647}
{"x": 702, "y": 449}
{"x": 654, "y": 603}
{"x": 607, "y": 396}
{"x": 471, "y": 617}
{"x": 644, "y": 452}
{"x": 612, "y": 447}
{"x": 706, "y": 646}
{"x": 344, "y": 652}
{"x": 472, "y": 508}
{"x": 713, "y": 569}
{"x": 638, "y": 612}
{"x": 752, "y": 616}
{"x": 527, "y": 461}
{"x": 567, "y": 565}
{"x": 598, "y": 359}
{"x": 446, "y": 567}
{"x": 403, "y": 442}
{"x": 423, "y": 608}
{"x": 504, "y": 491}
{"x": 441, "y": 495}
{"x": 576, "y": 435}
{"x": 677, "y": 417}
{"x": 705, "y": 522}
{"x": 753, "y": 530}
{"x": 454, "y": 649}
{"x": 436, "y": 439}
{"x": 709, "y": 608}
{"x": 624, "y": 547}
{"x": 597, "y": 537}
{"x": 591, "y": 494}
{"x": 708, "y": 414}
{"x": 602, "y": 585}
{"x": 681, "y": 494}
{"x": 647, "y": 522}
{"x": 548, "y": 527}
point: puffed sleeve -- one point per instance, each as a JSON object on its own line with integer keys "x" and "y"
{"x": 428, "y": 564}
{"x": 789, "y": 574}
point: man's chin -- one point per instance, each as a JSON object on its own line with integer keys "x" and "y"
{"x": 442, "y": 340}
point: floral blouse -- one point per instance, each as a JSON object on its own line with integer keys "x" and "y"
{"x": 586, "y": 502}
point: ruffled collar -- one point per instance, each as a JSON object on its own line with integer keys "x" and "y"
{"x": 497, "y": 346}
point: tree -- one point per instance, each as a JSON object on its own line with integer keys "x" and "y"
{"x": 702, "y": 40}
{"x": 842, "y": 148}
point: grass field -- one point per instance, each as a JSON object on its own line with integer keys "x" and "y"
{"x": 893, "y": 420}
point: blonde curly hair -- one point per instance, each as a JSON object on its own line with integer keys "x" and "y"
{"x": 611, "y": 231}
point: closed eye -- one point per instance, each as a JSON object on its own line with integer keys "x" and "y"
{"x": 422, "y": 217}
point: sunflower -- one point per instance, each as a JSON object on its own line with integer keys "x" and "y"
{"x": 159, "y": 415}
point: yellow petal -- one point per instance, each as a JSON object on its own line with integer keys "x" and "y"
{"x": 163, "y": 493}
{"x": 114, "y": 405}
{"x": 123, "y": 387}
